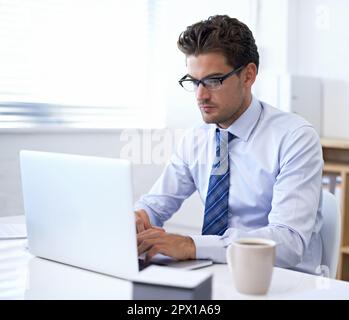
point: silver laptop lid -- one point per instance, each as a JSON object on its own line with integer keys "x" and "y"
{"x": 79, "y": 211}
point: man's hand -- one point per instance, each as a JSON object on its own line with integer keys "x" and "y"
{"x": 142, "y": 221}
{"x": 156, "y": 240}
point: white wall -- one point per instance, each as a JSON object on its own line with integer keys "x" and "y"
{"x": 323, "y": 52}
{"x": 270, "y": 32}
{"x": 307, "y": 38}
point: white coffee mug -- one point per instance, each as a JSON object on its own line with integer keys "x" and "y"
{"x": 251, "y": 261}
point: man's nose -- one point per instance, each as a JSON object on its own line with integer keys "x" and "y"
{"x": 202, "y": 93}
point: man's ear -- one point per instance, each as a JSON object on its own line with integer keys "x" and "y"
{"x": 250, "y": 73}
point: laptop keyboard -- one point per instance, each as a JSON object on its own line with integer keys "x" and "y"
{"x": 142, "y": 264}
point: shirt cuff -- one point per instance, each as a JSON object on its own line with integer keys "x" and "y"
{"x": 210, "y": 247}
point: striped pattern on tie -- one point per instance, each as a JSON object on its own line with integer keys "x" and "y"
{"x": 216, "y": 205}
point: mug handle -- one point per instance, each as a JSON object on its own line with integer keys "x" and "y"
{"x": 229, "y": 256}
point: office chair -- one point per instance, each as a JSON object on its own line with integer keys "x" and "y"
{"x": 330, "y": 232}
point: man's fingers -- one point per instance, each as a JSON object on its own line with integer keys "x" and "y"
{"x": 158, "y": 228}
{"x": 145, "y": 245}
{"x": 139, "y": 225}
{"x": 148, "y": 239}
{"x": 142, "y": 221}
{"x": 148, "y": 234}
{"x": 153, "y": 241}
{"x": 147, "y": 224}
{"x": 152, "y": 252}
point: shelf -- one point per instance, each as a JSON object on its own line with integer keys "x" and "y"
{"x": 335, "y": 143}
{"x": 336, "y": 163}
{"x": 345, "y": 250}
{"x": 336, "y": 167}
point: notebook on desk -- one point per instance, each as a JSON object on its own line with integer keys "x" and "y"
{"x": 79, "y": 211}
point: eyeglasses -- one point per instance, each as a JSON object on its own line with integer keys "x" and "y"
{"x": 210, "y": 83}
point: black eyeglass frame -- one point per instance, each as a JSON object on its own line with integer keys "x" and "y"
{"x": 202, "y": 81}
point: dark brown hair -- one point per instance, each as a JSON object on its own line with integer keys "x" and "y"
{"x": 223, "y": 34}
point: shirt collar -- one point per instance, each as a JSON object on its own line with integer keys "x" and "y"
{"x": 244, "y": 125}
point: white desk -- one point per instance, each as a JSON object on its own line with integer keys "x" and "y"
{"x": 25, "y": 277}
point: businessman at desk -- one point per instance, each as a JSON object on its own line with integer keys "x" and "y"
{"x": 257, "y": 169}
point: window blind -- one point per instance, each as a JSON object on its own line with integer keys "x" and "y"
{"x": 77, "y": 63}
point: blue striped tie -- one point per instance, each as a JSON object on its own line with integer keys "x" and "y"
{"x": 216, "y": 205}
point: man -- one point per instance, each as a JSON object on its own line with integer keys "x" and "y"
{"x": 263, "y": 173}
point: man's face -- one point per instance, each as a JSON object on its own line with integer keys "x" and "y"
{"x": 224, "y": 105}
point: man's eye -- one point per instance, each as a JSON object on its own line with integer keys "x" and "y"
{"x": 212, "y": 82}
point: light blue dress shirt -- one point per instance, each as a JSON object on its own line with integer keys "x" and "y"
{"x": 275, "y": 185}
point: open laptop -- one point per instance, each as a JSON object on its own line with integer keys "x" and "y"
{"x": 79, "y": 211}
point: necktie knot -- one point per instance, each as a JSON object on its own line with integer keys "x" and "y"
{"x": 223, "y": 137}
{"x": 221, "y": 162}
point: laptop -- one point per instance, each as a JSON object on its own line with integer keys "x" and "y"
{"x": 79, "y": 211}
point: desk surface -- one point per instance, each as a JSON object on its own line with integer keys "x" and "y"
{"x": 23, "y": 276}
